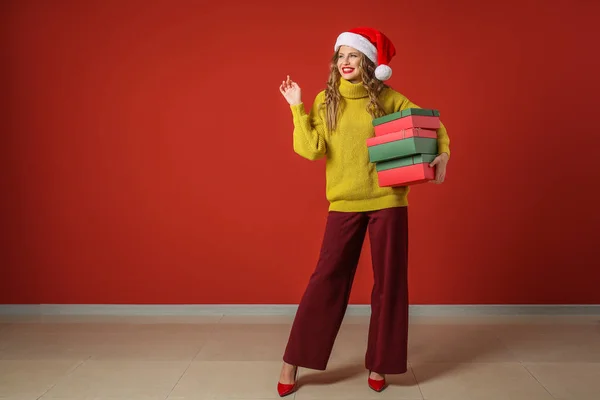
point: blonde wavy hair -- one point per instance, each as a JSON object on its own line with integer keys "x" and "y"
{"x": 333, "y": 98}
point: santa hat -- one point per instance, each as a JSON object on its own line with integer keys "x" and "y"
{"x": 373, "y": 44}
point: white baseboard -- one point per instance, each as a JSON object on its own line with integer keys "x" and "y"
{"x": 280, "y": 309}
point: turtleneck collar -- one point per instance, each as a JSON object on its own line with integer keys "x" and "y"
{"x": 351, "y": 90}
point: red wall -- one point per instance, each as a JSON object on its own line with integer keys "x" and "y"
{"x": 147, "y": 152}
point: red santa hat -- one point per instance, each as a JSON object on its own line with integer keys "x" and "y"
{"x": 373, "y": 44}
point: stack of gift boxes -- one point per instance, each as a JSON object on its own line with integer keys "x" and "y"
{"x": 405, "y": 143}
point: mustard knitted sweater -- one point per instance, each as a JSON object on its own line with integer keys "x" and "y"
{"x": 351, "y": 179}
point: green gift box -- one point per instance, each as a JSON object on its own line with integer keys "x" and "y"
{"x": 402, "y": 148}
{"x": 424, "y": 112}
{"x": 405, "y": 162}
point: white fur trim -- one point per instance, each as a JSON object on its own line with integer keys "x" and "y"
{"x": 359, "y": 42}
{"x": 383, "y": 72}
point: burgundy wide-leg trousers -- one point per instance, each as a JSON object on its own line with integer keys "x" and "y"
{"x": 323, "y": 305}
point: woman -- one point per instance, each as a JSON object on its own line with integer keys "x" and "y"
{"x": 337, "y": 127}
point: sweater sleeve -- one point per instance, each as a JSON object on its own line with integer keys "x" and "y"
{"x": 309, "y": 132}
{"x": 442, "y": 134}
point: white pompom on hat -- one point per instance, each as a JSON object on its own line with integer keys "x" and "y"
{"x": 374, "y": 45}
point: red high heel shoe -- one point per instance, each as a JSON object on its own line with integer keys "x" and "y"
{"x": 376, "y": 385}
{"x": 285, "y": 389}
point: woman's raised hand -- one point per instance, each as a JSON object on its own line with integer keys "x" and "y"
{"x": 291, "y": 91}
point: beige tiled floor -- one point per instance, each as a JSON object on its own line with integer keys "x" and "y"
{"x": 193, "y": 358}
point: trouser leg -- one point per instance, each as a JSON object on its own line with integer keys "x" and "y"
{"x": 323, "y": 305}
{"x": 388, "y": 329}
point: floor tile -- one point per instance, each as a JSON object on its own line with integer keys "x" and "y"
{"x": 229, "y": 379}
{"x": 552, "y": 342}
{"x": 159, "y": 342}
{"x": 456, "y": 344}
{"x": 128, "y": 379}
{"x": 350, "y": 345}
{"x": 489, "y": 381}
{"x": 232, "y": 342}
{"x": 568, "y": 381}
{"x": 31, "y": 379}
{"x": 55, "y": 346}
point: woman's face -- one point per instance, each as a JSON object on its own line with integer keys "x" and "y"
{"x": 348, "y": 63}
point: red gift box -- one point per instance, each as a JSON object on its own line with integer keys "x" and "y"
{"x": 413, "y": 121}
{"x": 404, "y": 176}
{"x": 403, "y": 134}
